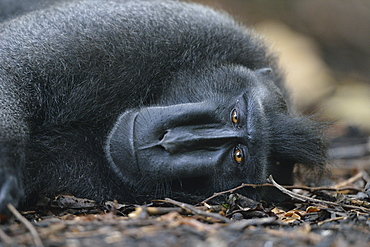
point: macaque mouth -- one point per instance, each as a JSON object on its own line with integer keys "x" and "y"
{"x": 194, "y": 185}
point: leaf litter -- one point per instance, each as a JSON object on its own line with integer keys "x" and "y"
{"x": 336, "y": 215}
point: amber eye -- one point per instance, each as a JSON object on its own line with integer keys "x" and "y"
{"x": 234, "y": 116}
{"x": 238, "y": 155}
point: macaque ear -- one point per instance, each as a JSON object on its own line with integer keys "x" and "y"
{"x": 264, "y": 71}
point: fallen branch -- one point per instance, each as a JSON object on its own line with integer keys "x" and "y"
{"x": 7, "y": 241}
{"x": 306, "y": 198}
{"x": 351, "y": 180}
{"x": 330, "y": 220}
{"x": 29, "y": 226}
{"x": 310, "y": 189}
{"x": 163, "y": 210}
{"x": 242, "y": 224}
{"x": 197, "y": 211}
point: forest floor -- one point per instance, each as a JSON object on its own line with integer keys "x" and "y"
{"x": 336, "y": 215}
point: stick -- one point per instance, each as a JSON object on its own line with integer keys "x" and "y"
{"x": 163, "y": 210}
{"x": 306, "y": 198}
{"x": 196, "y": 211}
{"x": 6, "y": 239}
{"x": 29, "y": 226}
{"x": 350, "y": 180}
{"x": 310, "y": 189}
{"x": 242, "y": 224}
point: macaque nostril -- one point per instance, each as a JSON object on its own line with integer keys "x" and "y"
{"x": 162, "y": 136}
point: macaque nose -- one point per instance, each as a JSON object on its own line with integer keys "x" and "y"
{"x": 180, "y": 139}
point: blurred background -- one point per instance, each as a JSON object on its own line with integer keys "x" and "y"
{"x": 324, "y": 49}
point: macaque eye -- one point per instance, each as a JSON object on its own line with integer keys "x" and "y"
{"x": 234, "y": 117}
{"x": 238, "y": 155}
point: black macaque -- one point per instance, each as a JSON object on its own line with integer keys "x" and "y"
{"x": 13, "y": 8}
{"x": 138, "y": 100}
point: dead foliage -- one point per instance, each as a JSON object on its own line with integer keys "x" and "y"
{"x": 333, "y": 215}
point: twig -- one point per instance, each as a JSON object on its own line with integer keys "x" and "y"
{"x": 242, "y": 224}
{"x": 290, "y": 193}
{"x": 314, "y": 189}
{"x": 196, "y": 211}
{"x": 310, "y": 189}
{"x": 306, "y": 198}
{"x": 29, "y": 226}
{"x": 232, "y": 190}
{"x": 163, "y": 210}
{"x": 330, "y": 220}
{"x": 350, "y": 180}
{"x": 5, "y": 238}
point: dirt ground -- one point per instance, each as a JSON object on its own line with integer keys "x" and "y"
{"x": 335, "y": 214}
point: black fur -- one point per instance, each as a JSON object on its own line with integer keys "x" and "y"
{"x": 13, "y": 8}
{"x": 69, "y": 71}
